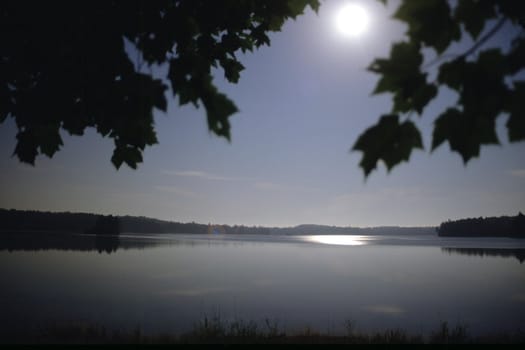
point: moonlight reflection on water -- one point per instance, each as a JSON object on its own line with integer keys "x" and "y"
{"x": 340, "y": 239}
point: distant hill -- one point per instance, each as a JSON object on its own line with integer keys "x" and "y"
{"x": 29, "y": 220}
{"x": 337, "y": 230}
{"x": 503, "y": 226}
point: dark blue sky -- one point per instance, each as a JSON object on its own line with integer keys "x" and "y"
{"x": 303, "y": 102}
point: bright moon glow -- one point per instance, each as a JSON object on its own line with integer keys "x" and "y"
{"x": 352, "y": 20}
{"x": 339, "y": 239}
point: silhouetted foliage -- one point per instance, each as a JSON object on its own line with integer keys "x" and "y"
{"x": 65, "y": 65}
{"x": 504, "y": 226}
{"x": 486, "y": 81}
{"x": 214, "y": 330}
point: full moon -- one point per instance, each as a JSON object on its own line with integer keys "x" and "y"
{"x": 352, "y": 20}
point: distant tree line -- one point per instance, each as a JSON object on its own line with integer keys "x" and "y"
{"x": 503, "y": 226}
{"x": 141, "y": 224}
{"x": 236, "y": 229}
{"x": 105, "y": 225}
{"x": 29, "y": 220}
{"x": 349, "y": 230}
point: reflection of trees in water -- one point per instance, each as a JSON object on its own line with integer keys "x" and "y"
{"x": 63, "y": 241}
{"x": 482, "y": 252}
{"x": 106, "y": 243}
{"x": 35, "y": 241}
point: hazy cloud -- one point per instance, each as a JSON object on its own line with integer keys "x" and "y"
{"x": 268, "y": 185}
{"x": 260, "y": 184}
{"x": 202, "y": 175}
{"x": 271, "y": 186}
{"x": 262, "y": 282}
{"x": 385, "y": 309}
{"x": 191, "y": 292}
{"x": 171, "y": 275}
{"x": 517, "y": 173}
{"x": 520, "y": 297}
{"x": 177, "y": 190}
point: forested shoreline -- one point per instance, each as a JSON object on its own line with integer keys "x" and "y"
{"x": 12, "y": 220}
{"x": 503, "y": 226}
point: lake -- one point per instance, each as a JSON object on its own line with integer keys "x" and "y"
{"x": 168, "y": 282}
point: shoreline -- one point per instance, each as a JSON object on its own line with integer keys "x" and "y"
{"x": 216, "y": 331}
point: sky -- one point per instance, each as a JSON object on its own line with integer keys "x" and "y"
{"x": 303, "y": 103}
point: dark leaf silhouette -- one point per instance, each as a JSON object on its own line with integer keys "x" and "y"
{"x": 389, "y": 141}
{"x": 516, "y": 122}
{"x": 464, "y": 132}
{"x": 408, "y": 85}
{"x": 479, "y": 76}
{"x": 473, "y": 15}
{"x": 429, "y": 22}
{"x": 66, "y": 65}
{"x": 91, "y": 69}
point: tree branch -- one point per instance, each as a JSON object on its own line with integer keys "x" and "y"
{"x": 471, "y": 50}
{"x": 484, "y": 38}
{"x": 440, "y": 58}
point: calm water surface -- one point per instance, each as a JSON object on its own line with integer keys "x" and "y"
{"x": 169, "y": 282}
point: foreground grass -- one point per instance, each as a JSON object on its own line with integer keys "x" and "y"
{"x": 216, "y": 331}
